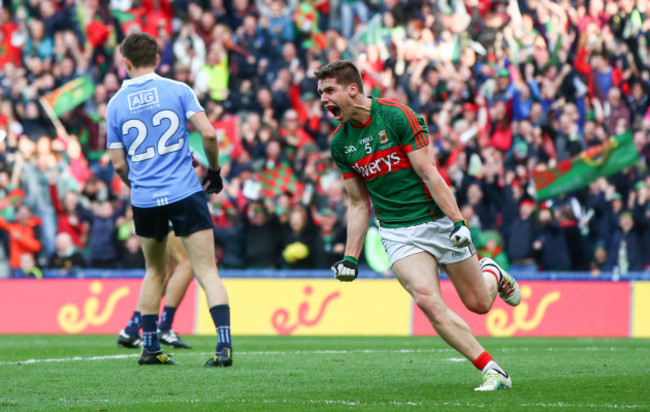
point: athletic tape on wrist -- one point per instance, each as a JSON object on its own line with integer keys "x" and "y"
{"x": 461, "y": 222}
{"x": 351, "y": 259}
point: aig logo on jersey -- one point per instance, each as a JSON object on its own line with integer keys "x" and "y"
{"x": 143, "y": 98}
{"x": 383, "y": 137}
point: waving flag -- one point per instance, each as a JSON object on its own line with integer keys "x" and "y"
{"x": 229, "y": 141}
{"x": 70, "y": 95}
{"x": 608, "y": 158}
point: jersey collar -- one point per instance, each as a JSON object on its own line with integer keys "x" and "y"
{"x": 140, "y": 79}
{"x": 372, "y": 109}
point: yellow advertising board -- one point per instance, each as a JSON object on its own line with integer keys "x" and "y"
{"x": 313, "y": 307}
{"x": 641, "y": 310}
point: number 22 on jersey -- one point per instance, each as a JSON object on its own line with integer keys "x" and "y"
{"x": 134, "y": 151}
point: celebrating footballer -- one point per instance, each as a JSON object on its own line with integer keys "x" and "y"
{"x": 382, "y": 149}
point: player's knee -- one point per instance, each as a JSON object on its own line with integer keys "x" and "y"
{"x": 432, "y": 307}
{"x": 479, "y": 306}
{"x": 157, "y": 272}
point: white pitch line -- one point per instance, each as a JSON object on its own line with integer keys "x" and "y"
{"x": 73, "y": 359}
{"x": 301, "y": 352}
{"x": 555, "y": 405}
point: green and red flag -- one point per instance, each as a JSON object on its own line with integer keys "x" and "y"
{"x": 608, "y": 158}
{"x": 279, "y": 179}
{"x": 229, "y": 141}
{"x": 70, "y": 95}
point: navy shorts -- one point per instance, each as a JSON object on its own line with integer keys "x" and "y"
{"x": 187, "y": 216}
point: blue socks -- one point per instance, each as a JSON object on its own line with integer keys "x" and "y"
{"x": 150, "y": 332}
{"x": 221, "y": 318}
{"x": 133, "y": 327}
{"x": 167, "y": 318}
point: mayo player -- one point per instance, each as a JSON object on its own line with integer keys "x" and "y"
{"x": 382, "y": 149}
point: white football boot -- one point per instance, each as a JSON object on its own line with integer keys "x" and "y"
{"x": 507, "y": 285}
{"x": 493, "y": 380}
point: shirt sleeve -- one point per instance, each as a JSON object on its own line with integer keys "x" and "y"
{"x": 113, "y": 135}
{"x": 190, "y": 102}
{"x": 407, "y": 125}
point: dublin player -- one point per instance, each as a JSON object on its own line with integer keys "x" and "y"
{"x": 382, "y": 149}
{"x": 147, "y": 139}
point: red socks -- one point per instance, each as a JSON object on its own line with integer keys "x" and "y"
{"x": 482, "y": 360}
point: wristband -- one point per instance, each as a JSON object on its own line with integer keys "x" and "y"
{"x": 351, "y": 259}
{"x": 461, "y": 222}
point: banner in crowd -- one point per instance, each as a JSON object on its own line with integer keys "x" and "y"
{"x": 73, "y": 306}
{"x": 313, "y": 307}
{"x": 560, "y": 308}
{"x": 641, "y": 310}
{"x": 279, "y": 179}
{"x": 229, "y": 141}
{"x": 577, "y": 172}
{"x": 70, "y": 95}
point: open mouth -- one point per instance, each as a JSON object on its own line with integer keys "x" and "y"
{"x": 336, "y": 112}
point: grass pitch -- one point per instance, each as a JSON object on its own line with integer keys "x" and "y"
{"x": 90, "y": 373}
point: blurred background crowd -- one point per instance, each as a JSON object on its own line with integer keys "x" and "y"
{"x": 506, "y": 87}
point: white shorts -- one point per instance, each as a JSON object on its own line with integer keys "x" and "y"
{"x": 430, "y": 237}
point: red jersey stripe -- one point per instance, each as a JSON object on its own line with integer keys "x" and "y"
{"x": 381, "y": 163}
{"x": 361, "y": 126}
{"x": 391, "y": 103}
{"x": 415, "y": 125}
{"x": 335, "y": 130}
{"x": 427, "y": 193}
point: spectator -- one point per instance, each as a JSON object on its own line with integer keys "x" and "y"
{"x": 28, "y": 268}
{"x": 550, "y": 244}
{"x": 615, "y": 110}
{"x": 483, "y": 208}
{"x": 598, "y": 263}
{"x": 68, "y": 220}
{"x": 190, "y": 51}
{"x": 491, "y": 245}
{"x": 24, "y": 235}
{"x": 351, "y": 10}
{"x": 102, "y": 237}
{"x": 300, "y": 240}
{"x": 66, "y": 257}
{"x": 625, "y": 251}
{"x": 332, "y": 234}
{"x": 520, "y": 235}
{"x": 132, "y": 256}
{"x": 262, "y": 236}
{"x": 228, "y": 231}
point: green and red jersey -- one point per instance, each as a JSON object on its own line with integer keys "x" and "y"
{"x": 377, "y": 152}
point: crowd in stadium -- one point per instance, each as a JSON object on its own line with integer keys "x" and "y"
{"x": 507, "y": 88}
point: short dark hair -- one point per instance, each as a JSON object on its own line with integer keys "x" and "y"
{"x": 345, "y": 72}
{"x": 141, "y": 49}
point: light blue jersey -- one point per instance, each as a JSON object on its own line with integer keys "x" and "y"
{"x": 148, "y": 117}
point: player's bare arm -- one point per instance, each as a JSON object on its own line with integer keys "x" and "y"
{"x": 212, "y": 182}
{"x": 347, "y": 270}
{"x": 120, "y": 165}
{"x": 209, "y": 136}
{"x": 424, "y": 165}
{"x": 358, "y": 216}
